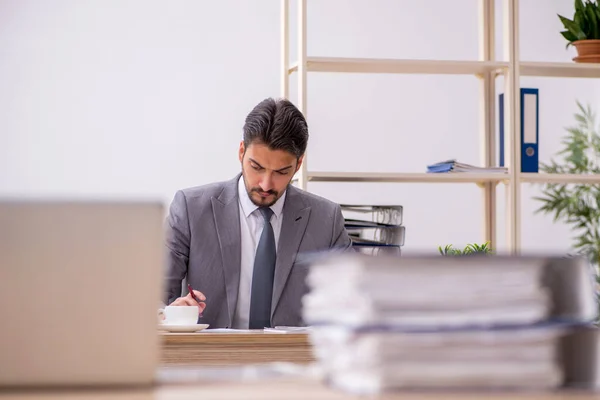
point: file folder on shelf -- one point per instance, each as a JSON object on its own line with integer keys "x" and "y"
{"x": 374, "y": 247}
{"x": 385, "y": 214}
{"x": 375, "y": 229}
{"x": 529, "y": 117}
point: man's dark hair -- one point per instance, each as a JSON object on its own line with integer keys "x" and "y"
{"x": 277, "y": 124}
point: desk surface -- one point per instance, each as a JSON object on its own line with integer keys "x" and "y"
{"x": 249, "y": 337}
{"x": 206, "y": 348}
{"x": 224, "y": 377}
{"x": 297, "y": 389}
{"x": 291, "y": 389}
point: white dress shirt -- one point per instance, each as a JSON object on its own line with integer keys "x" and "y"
{"x": 251, "y": 225}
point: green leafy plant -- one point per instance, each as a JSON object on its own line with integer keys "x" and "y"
{"x": 585, "y": 23}
{"x": 473, "y": 248}
{"x": 578, "y": 205}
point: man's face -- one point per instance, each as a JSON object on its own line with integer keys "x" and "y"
{"x": 266, "y": 172}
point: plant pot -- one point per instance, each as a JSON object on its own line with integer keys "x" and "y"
{"x": 588, "y": 51}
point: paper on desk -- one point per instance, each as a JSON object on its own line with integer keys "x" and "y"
{"x": 288, "y": 329}
{"x": 277, "y": 329}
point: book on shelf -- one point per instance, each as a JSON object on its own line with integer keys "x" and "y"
{"x": 455, "y": 166}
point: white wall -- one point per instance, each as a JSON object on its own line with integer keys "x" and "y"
{"x": 135, "y": 98}
{"x": 129, "y": 97}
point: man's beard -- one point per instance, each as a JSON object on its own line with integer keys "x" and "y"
{"x": 262, "y": 202}
{"x": 258, "y": 191}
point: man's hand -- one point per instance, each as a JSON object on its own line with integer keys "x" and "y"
{"x": 189, "y": 301}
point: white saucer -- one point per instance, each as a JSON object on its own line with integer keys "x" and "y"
{"x": 182, "y": 328}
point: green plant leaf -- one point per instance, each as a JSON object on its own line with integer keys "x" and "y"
{"x": 569, "y": 36}
{"x": 573, "y": 27}
{"x": 447, "y": 250}
{"x": 577, "y": 205}
{"x": 469, "y": 249}
{"x": 580, "y": 19}
{"x": 592, "y": 21}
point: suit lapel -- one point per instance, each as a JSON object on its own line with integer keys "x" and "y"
{"x": 295, "y": 219}
{"x": 227, "y": 221}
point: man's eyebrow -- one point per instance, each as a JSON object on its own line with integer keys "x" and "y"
{"x": 254, "y": 161}
{"x": 260, "y": 166}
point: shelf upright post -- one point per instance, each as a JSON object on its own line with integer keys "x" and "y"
{"x": 285, "y": 53}
{"x": 512, "y": 125}
{"x": 302, "y": 75}
{"x": 487, "y": 97}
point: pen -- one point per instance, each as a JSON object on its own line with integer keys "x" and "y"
{"x": 194, "y": 296}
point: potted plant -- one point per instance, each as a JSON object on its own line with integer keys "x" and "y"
{"x": 583, "y": 31}
{"x": 470, "y": 249}
{"x": 577, "y": 204}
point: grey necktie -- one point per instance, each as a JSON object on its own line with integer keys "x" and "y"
{"x": 263, "y": 274}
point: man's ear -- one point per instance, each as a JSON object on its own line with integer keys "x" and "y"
{"x": 241, "y": 151}
{"x": 299, "y": 164}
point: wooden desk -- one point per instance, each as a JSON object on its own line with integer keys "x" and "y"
{"x": 205, "y": 348}
{"x": 299, "y": 389}
{"x": 289, "y": 389}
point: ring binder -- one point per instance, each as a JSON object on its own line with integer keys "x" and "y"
{"x": 529, "y": 115}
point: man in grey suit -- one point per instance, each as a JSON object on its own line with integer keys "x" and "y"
{"x": 237, "y": 241}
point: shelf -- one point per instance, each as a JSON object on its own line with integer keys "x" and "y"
{"x": 513, "y": 71}
{"x": 564, "y": 70}
{"x": 394, "y": 177}
{"x": 391, "y": 66}
{"x": 559, "y": 178}
{"x": 459, "y": 177}
{"x": 445, "y": 67}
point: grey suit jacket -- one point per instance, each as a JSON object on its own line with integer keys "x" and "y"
{"x": 203, "y": 241}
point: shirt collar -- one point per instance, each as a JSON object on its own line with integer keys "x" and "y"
{"x": 249, "y": 207}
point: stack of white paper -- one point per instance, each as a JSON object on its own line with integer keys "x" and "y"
{"x": 383, "y": 323}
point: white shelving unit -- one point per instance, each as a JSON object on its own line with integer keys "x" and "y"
{"x": 487, "y": 69}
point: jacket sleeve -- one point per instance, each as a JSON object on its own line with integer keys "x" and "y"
{"x": 178, "y": 247}
{"x": 340, "y": 238}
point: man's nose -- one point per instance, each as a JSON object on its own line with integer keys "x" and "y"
{"x": 266, "y": 182}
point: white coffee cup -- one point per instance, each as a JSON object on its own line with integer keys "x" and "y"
{"x": 179, "y": 315}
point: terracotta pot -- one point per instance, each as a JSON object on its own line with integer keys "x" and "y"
{"x": 588, "y": 51}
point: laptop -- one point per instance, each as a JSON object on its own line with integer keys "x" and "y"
{"x": 80, "y": 284}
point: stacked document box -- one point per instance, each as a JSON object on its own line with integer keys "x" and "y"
{"x": 375, "y": 229}
{"x": 485, "y": 322}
